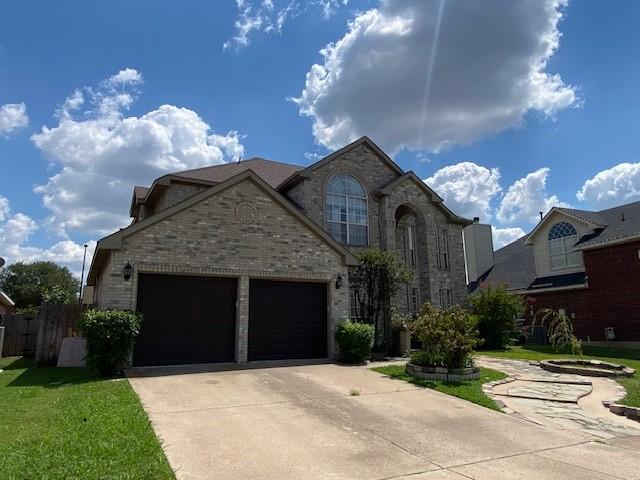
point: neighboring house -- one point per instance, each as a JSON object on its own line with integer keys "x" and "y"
{"x": 586, "y": 263}
{"x": 6, "y": 304}
{"x": 249, "y": 260}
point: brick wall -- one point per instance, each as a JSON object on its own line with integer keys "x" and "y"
{"x": 209, "y": 239}
{"x": 612, "y": 298}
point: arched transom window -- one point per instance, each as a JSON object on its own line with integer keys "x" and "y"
{"x": 562, "y": 238}
{"x": 347, "y": 216}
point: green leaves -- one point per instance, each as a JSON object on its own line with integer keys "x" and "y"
{"x": 496, "y": 310}
{"x": 110, "y": 335}
{"x": 354, "y": 340}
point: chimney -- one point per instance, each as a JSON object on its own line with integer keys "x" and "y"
{"x": 478, "y": 249}
{"x": 541, "y": 215}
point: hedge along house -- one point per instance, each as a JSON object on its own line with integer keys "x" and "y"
{"x": 585, "y": 263}
{"x": 249, "y": 261}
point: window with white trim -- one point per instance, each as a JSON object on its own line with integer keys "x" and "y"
{"x": 445, "y": 249}
{"x": 411, "y": 245}
{"x": 346, "y": 210}
{"x": 562, "y": 238}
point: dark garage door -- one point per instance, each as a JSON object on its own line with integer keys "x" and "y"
{"x": 287, "y": 320}
{"x": 186, "y": 320}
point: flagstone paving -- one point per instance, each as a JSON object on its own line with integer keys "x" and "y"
{"x": 560, "y": 400}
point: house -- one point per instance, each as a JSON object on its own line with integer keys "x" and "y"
{"x": 6, "y": 304}
{"x": 249, "y": 261}
{"x": 585, "y": 263}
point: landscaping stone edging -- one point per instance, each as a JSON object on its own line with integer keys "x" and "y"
{"x": 442, "y": 373}
{"x": 589, "y": 368}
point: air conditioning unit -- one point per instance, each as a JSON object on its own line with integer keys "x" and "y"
{"x": 609, "y": 334}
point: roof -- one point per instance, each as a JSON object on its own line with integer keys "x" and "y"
{"x": 619, "y": 224}
{"x": 140, "y": 192}
{"x": 272, "y": 172}
{"x": 114, "y": 241}
{"x": 513, "y": 265}
{"x": 558, "y": 281}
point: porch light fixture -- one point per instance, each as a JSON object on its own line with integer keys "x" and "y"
{"x": 339, "y": 281}
{"x": 127, "y": 271}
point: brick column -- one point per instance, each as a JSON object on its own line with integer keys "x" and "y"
{"x": 242, "y": 320}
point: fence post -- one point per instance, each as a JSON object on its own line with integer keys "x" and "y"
{"x": 1, "y": 340}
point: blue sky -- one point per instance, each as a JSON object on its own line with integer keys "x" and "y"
{"x": 504, "y": 107}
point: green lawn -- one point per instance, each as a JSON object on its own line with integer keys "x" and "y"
{"x": 624, "y": 356}
{"x": 471, "y": 391}
{"x": 60, "y": 423}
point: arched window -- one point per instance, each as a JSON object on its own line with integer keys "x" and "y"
{"x": 347, "y": 216}
{"x": 562, "y": 238}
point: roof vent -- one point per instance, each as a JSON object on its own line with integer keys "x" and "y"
{"x": 476, "y": 219}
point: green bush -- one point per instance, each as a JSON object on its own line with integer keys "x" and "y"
{"x": 110, "y": 335}
{"x": 496, "y": 310}
{"x": 354, "y": 340}
{"x": 448, "y": 337}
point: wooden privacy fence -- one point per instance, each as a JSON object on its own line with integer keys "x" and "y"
{"x": 20, "y": 332}
{"x": 54, "y": 323}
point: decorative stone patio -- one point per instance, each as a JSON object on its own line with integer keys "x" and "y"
{"x": 570, "y": 402}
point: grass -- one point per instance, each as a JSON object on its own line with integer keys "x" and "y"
{"x": 471, "y": 390}
{"x": 67, "y": 423}
{"x": 625, "y": 356}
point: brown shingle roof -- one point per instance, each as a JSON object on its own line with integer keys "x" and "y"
{"x": 272, "y": 172}
{"x": 140, "y": 192}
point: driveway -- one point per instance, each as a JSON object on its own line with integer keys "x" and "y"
{"x": 302, "y": 422}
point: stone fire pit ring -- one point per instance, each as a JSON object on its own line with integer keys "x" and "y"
{"x": 589, "y": 368}
{"x": 443, "y": 374}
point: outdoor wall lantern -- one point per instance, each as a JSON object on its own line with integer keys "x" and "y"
{"x": 127, "y": 271}
{"x": 339, "y": 281}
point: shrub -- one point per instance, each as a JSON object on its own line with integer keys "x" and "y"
{"x": 354, "y": 340}
{"x": 110, "y": 335}
{"x": 496, "y": 310}
{"x": 448, "y": 337}
{"x": 559, "y": 331}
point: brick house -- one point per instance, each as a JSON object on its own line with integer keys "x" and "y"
{"x": 249, "y": 260}
{"x": 586, "y": 263}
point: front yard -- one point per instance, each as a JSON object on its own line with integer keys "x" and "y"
{"x": 67, "y": 423}
{"x": 471, "y": 390}
{"x": 627, "y": 357}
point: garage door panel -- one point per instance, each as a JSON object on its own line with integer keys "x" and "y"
{"x": 287, "y": 320}
{"x": 186, "y": 320}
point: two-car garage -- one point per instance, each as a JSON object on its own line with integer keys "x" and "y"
{"x": 193, "y": 319}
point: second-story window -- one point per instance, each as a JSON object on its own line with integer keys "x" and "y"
{"x": 346, "y": 212}
{"x": 411, "y": 245}
{"x": 445, "y": 249}
{"x": 562, "y": 238}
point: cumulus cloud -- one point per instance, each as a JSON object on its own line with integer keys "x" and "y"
{"x": 614, "y": 186}
{"x": 101, "y": 153}
{"x": 504, "y": 236}
{"x": 270, "y": 16}
{"x": 467, "y": 188}
{"x": 15, "y": 232}
{"x": 526, "y": 198}
{"x": 425, "y": 74}
{"x": 12, "y": 117}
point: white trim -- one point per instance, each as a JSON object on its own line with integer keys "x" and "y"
{"x": 556, "y": 289}
{"x": 558, "y": 210}
{"x": 606, "y": 243}
{"x": 6, "y": 299}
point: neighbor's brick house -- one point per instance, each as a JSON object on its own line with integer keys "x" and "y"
{"x": 586, "y": 263}
{"x": 249, "y": 260}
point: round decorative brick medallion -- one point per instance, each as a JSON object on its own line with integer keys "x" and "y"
{"x": 246, "y": 213}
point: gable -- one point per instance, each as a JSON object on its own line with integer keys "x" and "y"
{"x": 554, "y": 216}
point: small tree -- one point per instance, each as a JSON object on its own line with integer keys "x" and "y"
{"x": 448, "y": 337}
{"x": 354, "y": 340}
{"x": 374, "y": 281}
{"x": 559, "y": 330}
{"x": 496, "y": 310}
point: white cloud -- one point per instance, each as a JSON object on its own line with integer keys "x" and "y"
{"x": 102, "y": 153}
{"x": 12, "y": 117}
{"x": 504, "y": 236}
{"x": 614, "y": 186}
{"x": 269, "y": 16}
{"x": 467, "y": 188}
{"x": 422, "y": 74}
{"x": 15, "y": 232}
{"x": 526, "y": 198}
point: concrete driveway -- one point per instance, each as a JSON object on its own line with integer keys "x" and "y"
{"x": 302, "y": 422}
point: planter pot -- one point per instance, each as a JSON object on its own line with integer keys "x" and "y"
{"x": 442, "y": 373}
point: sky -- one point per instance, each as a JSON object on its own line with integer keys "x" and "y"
{"x": 504, "y": 107}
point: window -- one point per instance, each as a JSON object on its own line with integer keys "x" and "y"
{"x": 445, "y": 249}
{"x": 346, "y": 213}
{"x": 411, "y": 245}
{"x": 449, "y": 298}
{"x": 414, "y": 300}
{"x": 562, "y": 238}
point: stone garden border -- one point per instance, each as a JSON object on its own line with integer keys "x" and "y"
{"x": 442, "y": 373}
{"x": 632, "y": 413}
{"x": 589, "y": 368}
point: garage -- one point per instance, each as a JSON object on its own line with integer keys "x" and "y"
{"x": 287, "y": 320}
{"x": 187, "y": 319}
